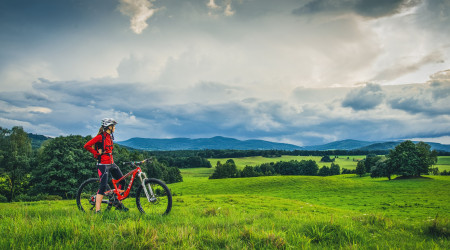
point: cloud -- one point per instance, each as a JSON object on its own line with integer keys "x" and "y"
{"x": 212, "y": 5}
{"x": 440, "y": 84}
{"x": 403, "y": 67}
{"x": 139, "y": 11}
{"x": 365, "y": 8}
{"x": 260, "y": 73}
{"x": 224, "y": 8}
{"x": 430, "y": 99}
{"x": 365, "y": 98}
{"x": 212, "y": 108}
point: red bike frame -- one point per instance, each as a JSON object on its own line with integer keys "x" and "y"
{"x": 125, "y": 194}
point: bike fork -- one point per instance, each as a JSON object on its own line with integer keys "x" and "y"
{"x": 151, "y": 196}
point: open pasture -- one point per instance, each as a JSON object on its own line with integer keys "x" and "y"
{"x": 443, "y": 163}
{"x": 348, "y": 162}
{"x": 265, "y": 212}
{"x": 275, "y": 212}
{"x": 344, "y": 161}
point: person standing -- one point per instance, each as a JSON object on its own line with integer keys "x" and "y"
{"x": 101, "y": 146}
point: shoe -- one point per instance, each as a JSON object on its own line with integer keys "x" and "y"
{"x": 121, "y": 207}
{"x": 98, "y": 212}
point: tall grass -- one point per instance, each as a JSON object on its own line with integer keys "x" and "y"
{"x": 276, "y": 212}
{"x": 212, "y": 222}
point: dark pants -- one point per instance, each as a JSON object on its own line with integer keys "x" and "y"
{"x": 103, "y": 171}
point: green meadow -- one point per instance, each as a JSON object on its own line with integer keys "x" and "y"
{"x": 276, "y": 212}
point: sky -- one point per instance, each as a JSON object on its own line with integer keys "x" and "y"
{"x": 305, "y": 72}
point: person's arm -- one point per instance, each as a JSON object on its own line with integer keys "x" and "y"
{"x": 89, "y": 146}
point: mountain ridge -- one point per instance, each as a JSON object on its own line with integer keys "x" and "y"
{"x": 220, "y": 142}
{"x": 217, "y": 142}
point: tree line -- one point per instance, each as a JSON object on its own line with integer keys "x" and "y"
{"x": 58, "y": 166}
{"x": 236, "y": 153}
{"x": 293, "y": 167}
{"x": 406, "y": 160}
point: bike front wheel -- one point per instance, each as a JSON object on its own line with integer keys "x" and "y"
{"x": 159, "y": 199}
{"x": 87, "y": 194}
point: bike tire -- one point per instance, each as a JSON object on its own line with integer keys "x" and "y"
{"x": 163, "y": 198}
{"x": 86, "y": 191}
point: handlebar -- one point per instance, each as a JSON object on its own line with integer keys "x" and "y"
{"x": 138, "y": 162}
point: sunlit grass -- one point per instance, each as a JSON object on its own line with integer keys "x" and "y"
{"x": 287, "y": 212}
{"x": 217, "y": 221}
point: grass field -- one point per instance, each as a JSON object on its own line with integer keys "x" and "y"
{"x": 287, "y": 212}
{"x": 348, "y": 162}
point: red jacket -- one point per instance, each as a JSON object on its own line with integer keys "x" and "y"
{"x": 108, "y": 145}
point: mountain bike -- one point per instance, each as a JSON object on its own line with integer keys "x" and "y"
{"x": 152, "y": 196}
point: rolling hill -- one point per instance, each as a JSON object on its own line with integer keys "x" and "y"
{"x": 341, "y": 145}
{"x": 220, "y": 142}
{"x": 217, "y": 142}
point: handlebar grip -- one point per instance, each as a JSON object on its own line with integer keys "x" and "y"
{"x": 138, "y": 162}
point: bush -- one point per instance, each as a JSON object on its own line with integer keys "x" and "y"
{"x": 3, "y": 199}
{"x": 348, "y": 171}
{"x": 326, "y": 158}
{"x": 445, "y": 172}
{"x": 39, "y": 197}
{"x": 24, "y": 197}
{"x": 53, "y": 198}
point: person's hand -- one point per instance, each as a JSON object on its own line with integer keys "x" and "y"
{"x": 100, "y": 151}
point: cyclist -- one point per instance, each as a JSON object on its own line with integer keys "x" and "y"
{"x": 101, "y": 146}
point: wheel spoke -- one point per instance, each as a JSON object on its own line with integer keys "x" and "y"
{"x": 160, "y": 202}
{"x": 87, "y": 193}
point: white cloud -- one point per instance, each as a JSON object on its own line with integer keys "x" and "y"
{"x": 228, "y": 10}
{"x": 212, "y": 5}
{"x": 215, "y": 9}
{"x": 139, "y": 11}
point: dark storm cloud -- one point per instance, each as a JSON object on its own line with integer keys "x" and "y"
{"x": 364, "y": 98}
{"x": 366, "y": 8}
{"x": 102, "y": 94}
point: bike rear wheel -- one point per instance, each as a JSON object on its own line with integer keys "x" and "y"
{"x": 87, "y": 194}
{"x": 160, "y": 202}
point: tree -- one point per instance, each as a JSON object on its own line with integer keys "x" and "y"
{"x": 327, "y": 158}
{"x": 335, "y": 169}
{"x": 381, "y": 169}
{"x": 370, "y": 161}
{"x": 227, "y": 170}
{"x": 249, "y": 171}
{"x": 309, "y": 167}
{"x": 427, "y": 158}
{"x": 174, "y": 175}
{"x": 360, "y": 168}
{"x": 409, "y": 159}
{"x": 324, "y": 171}
{"x": 15, "y": 160}
{"x": 63, "y": 165}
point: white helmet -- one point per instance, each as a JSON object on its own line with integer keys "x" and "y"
{"x": 106, "y": 122}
